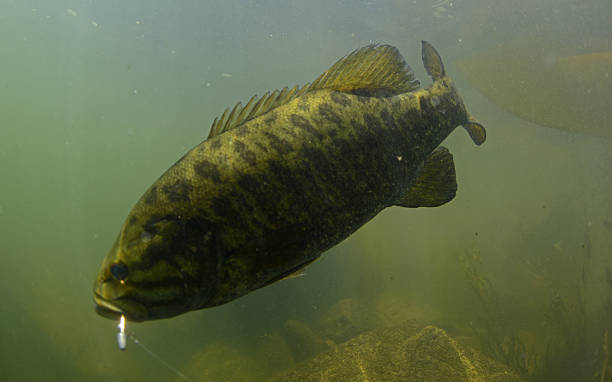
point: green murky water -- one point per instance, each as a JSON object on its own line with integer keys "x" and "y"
{"x": 97, "y": 99}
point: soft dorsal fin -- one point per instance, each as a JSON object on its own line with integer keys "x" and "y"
{"x": 372, "y": 69}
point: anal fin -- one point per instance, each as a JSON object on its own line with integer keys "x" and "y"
{"x": 299, "y": 273}
{"x": 435, "y": 185}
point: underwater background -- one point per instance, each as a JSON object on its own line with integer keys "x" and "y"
{"x": 98, "y": 98}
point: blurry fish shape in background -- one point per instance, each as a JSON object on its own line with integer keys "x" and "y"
{"x": 441, "y": 8}
{"x": 547, "y": 84}
{"x": 283, "y": 179}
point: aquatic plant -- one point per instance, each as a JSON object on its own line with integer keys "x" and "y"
{"x": 491, "y": 327}
{"x": 570, "y": 344}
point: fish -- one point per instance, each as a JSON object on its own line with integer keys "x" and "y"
{"x": 547, "y": 81}
{"x": 282, "y": 179}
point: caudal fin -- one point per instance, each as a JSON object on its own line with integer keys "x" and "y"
{"x": 432, "y": 61}
{"x": 435, "y": 68}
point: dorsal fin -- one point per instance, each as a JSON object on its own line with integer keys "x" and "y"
{"x": 254, "y": 108}
{"x": 372, "y": 69}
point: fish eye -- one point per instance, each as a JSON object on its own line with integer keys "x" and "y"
{"x": 119, "y": 271}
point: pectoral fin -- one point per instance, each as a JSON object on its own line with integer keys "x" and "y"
{"x": 436, "y": 183}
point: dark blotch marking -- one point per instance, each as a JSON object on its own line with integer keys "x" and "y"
{"x": 250, "y": 157}
{"x": 373, "y": 92}
{"x": 328, "y": 113}
{"x": 270, "y": 117}
{"x": 362, "y": 98}
{"x": 262, "y": 147}
{"x": 357, "y": 125}
{"x": 282, "y": 174}
{"x": 181, "y": 236}
{"x": 205, "y": 169}
{"x": 241, "y": 131}
{"x": 179, "y": 191}
{"x": 171, "y": 281}
{"x": 244, "y": 152}
{"x": 344, "y": 147}
{"x": 318, "y": 163}
{"x": 278, "y": 144}
{"x": 387, "y": 118}
{"x": 341, "y": 99}
{"x": 222, "y": 207}
{"x": 133, "y": 220}
{"x": 303, "y": 123}
{"x": 256, "y": 189}
{"x": 371, "y": 121}
{"x": 214, "y": 144}
{"x": 249, "y": 184}
{"x": 150, "y": 225}
{"x": 151, "y": 196}
{"x": 288, "y": 130}
{"x": 304, "y": 105}
{"x": 425, "y": 104}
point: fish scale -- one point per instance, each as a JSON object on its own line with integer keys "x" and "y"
{"x": 283, "y": 179}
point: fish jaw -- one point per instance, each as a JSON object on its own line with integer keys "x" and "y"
{"x": 114, "y": 298}
{"x": 110, "y": 304}
{"x": 110, "y": 295}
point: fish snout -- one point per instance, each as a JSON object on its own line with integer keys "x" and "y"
{"x": 112, "y": 303}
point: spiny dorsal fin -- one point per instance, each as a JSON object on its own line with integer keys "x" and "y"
{"x": 372, "y": 69}
{"x": 254, "y": 108}
{"x": 436, "y": 183}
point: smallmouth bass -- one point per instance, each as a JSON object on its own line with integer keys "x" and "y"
{"x": 281, "y": 180}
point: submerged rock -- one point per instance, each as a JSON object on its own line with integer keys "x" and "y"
{"x": 304, "y": 342}
{"x": 401, "y": 353}
{"x": 393, "y": 310}
{"x": 273, "y": 353}
{"x": 220, "y": 362}
{"x": 346, "y": 319}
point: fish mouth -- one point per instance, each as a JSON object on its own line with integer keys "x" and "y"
{"x": 132, "y": 310}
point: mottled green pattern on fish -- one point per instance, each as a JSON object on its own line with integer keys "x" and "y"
{"x": 259, "y": 201}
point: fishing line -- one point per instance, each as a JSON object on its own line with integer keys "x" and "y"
{"x": 154, "y": 355}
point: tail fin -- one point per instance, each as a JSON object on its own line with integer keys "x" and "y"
{"x": 435, "y": 68}
{"x": 432, "y": 61}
